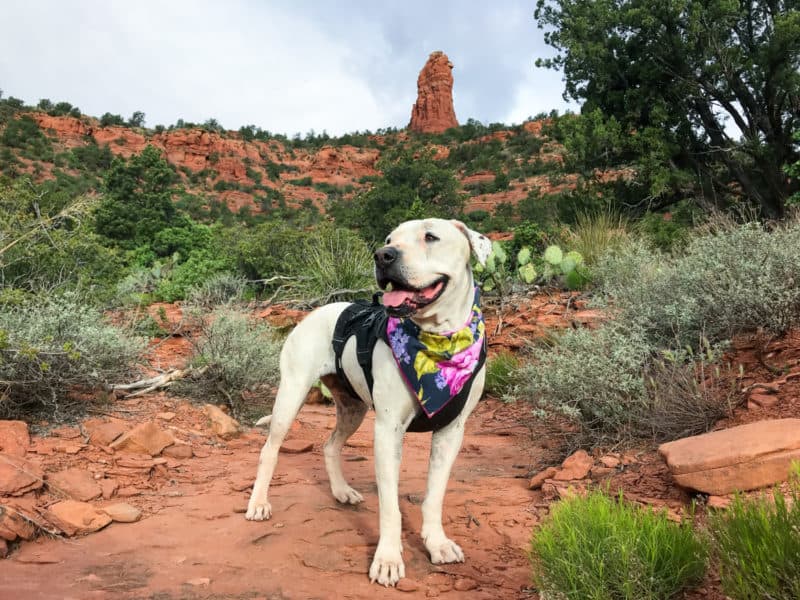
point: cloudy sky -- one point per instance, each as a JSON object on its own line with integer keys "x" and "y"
{"x": 286, "y": 66}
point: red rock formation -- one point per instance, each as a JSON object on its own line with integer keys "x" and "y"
{"x": 433, "y": 112}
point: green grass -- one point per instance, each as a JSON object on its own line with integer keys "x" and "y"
{"x": 758, "y": 541}
{"x": 501, "y": 374}
{"x": 596, "y": 233}
{"x": 600, "y": 548}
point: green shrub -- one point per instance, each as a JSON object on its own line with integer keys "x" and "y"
{"x": 758, "y": 542}
{"x": 501, "y": 374}
{"x": 196, "y": 269}
{"x": 222, "y": 288}
{"x": 51, "y": 348}
{"x": 592, "y": 376}
{"x": 598, "y": 548}
{"x": 335, "y": 264}
{"x": 239, "y": 355}
{"x": 725, "y": 283}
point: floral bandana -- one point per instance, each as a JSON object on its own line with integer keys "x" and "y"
{"x": 437, "y": 366}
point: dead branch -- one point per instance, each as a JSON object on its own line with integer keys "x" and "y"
{"x": 144, "y": 386}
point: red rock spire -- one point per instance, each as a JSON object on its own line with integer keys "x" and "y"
{"x": 433, "y": 111}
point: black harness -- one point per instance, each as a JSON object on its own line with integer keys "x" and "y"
{"x": 367, "y": 322}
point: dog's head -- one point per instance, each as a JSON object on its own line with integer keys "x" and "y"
{"x": 424, "y": 265}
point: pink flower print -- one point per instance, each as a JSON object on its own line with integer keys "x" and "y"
{"x": 459, "y": 368}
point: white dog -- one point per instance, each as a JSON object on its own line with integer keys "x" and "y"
{"x": 427, "y": 265}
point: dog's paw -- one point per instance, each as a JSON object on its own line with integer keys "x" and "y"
{"x": 444, "y": 551}
{"x": 258, "y": 511}
{"x": 347, "y": 495}
{"x": 387, "y": 568}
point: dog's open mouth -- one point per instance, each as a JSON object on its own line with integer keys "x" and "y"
{"x": 401, "y": 299}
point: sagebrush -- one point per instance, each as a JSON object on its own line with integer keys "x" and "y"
{"x": 54, "y": 351}
{"x": 236, "y": 358}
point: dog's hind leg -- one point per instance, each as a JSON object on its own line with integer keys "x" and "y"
{"x": 349, "y": 415}
{"x": 306, "y": 355}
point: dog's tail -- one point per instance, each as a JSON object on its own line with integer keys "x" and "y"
{"x": 264, "y": 421}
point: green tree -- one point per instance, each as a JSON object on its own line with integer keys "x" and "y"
{"x": 413, "y": 185}
{"x": 137, "y": 119}
{"x": 138, "y": 199}
{"x": 109, "y": 119}
{"x": 682, "y": 75}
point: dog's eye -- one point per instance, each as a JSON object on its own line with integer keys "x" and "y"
{"x": 388, "y": 241}
{"x": 429, "y": 237}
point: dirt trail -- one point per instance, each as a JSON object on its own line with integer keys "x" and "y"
{"x": 195, "y": 543}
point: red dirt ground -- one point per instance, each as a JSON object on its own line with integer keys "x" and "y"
{"x": 193, "y": 540}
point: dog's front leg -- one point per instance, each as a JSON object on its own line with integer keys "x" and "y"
{"x": 387, "y": 565}
{"x": 444, "y": 448}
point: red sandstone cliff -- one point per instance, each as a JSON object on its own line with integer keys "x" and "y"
{"x": 433, "y": 111}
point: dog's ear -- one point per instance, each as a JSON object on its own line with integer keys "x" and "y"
{"x": 481, "y": 245}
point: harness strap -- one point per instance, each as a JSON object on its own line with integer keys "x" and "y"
{"x": 367, "y": 321}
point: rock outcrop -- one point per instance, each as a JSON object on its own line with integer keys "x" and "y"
{"x": 433, "y": 111}
{"x": 741, "y": 458}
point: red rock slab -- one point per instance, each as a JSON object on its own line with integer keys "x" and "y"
{"x": 11, "y": 521}
{"x": 576, "y": 466}
{"x": 146, "y": 438}
{"x": 538, "y": 479}
{"x": 18, "y": 476}
{"x": 740, "y": 458}
{"x": 14, "y": 438}
{"x": 103, "y": 432}
{"x": 74, "y": 518}
{"x": 76, "y": 483}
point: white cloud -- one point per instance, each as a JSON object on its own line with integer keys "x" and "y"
{"x": 284, "y": 66}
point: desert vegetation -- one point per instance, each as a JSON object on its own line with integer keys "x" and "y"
{"x": 668, "y": 205}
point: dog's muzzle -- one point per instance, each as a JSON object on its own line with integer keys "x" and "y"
{"x": 400, "y": 298}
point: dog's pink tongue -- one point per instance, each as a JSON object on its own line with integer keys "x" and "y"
{"x": 431, "y": 291}
{"x": 396, "y": 297}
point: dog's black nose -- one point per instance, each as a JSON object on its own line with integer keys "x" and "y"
{"x": 386, "y": 256}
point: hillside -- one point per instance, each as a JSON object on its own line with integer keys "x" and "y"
{"x": 254, "y": 171}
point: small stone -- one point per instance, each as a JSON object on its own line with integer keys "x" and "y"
{"x": 128, "y": 491}
{"x": 69, "y": 448}
{"x": 166, "y": 416}
{"x": 123, "y": 512}
{"x": 296, "y": 447}
{"x": 763, "y": 400}
{"x": 178, "y": 450}
{"x": 73, "y": 517}
{"x": 102, "y": 432}
{"x": 609, "y": 461}
{"x": 601, "y": 472}
{"x": 222, "y": 424}
{"x": 538, "y": 479}
{"x": 108, "y": 487}
{"x": 407, "y": 585}
{"x": 18, "y": 476}
{"x": 199, "y": 581}
{"x": 147, "y": 438}
{"x": 14, "y": 438}
{"x": 75, "y": 483}
{"x": 718, "y": 502}
{"x": 576, "y": 466}
{"x": 465, "y": 584}
{"x": 315, "y": 396}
